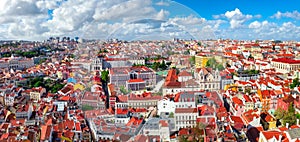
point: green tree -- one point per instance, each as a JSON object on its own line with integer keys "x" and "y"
{"x": 220, "y": 67}
{"x": 104, "y": 75}
{"x": 37, "y": 84}
{"x": 155, "y": 66}
{"x": 192, "y": 60}
{"x": 163, "y": 65}
{"x": 123, "y": 90}
{"x": 295, "y": 83}
{"x": 211, "y": 63}
{"x": 286, "y": 116}
{"x": 171, "y": 115}
{"x": 279, "y": 113}
{"x": 87, "y": 107}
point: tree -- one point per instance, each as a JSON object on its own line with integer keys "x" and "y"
{"x": 192, "y": 60}
{"x": 155, "y": 66}
{"x": 104, "y": 75}
{"x": 87, "y": 107}
{"x": 37, "y": 84}
{"x": 123, "y": 90}
{"x": 187, "y": 52}
{"x": 211, "y": 63}
{"x": 171, "y": 115}
{"x": 220, "y": 67}
{"x": 279, "y": 113}
{"x": 295, "y": 83}
{"x": 163, "y": 65}
{"x": 286, "y": 116}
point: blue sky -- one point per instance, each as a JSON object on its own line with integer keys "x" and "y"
{"x": 197, "y": 19}
{"x": 207, "y": 8}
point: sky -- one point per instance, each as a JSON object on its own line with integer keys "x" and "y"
{"x": 150, "y": 19}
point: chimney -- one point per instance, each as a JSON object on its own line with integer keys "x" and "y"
{"x": 287, "y": 125}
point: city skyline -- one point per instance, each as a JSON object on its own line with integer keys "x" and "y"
{"x": 157, "y": 19}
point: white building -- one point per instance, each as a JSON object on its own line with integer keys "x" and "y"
{"x": 185, "y": 117}
{"x": 16, "y": 63}
{"x": 184, "y": 76}
{"x": 208, "y": 78}
{"x": 96, "y": 64}
{"x": 165, "y": 106}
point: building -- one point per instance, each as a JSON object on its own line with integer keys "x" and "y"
{"x": 16, "y": 63}
{"x": 36, "y": 93}
{"x": 201, "y": 59}
{"x": 285, "y": 65}
{"x": 96, "y": 64}
{"x": 137, "y": 61}
{"x": 153, "y": 125}
{"x": 136, "y": 85}
{"x": 185, "y": 100}
{"x": 208, "y": 78}
{"x": 173, "y": 86}
{"x": 145, "y": 73}
{"x": 144, "y": 100}
{"x": 119, "y": 76}
{"x": 184, "y": 76}
{"x": 185, "y": 117}
{"x": 165, "y": 107}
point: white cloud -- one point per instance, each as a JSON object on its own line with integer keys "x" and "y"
{"x": 294, "y": 15}
{"x": 236, "y": 18}
{"x": 162, "y": 15}
{"x": 126, "y": 11}
{"x": 47, "y": 4}
{"x": 29, "y": 19}
{"x": 255, "y": 25}
{"x": 271, "y": 30}
{"x": 162, "y": 3}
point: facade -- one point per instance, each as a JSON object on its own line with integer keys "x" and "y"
{"x": 137, "y": 61}
{"x": 165, "y": 107}
{"x": 96, "y": 64}
{"x": 185, "y": 100}
{"x": 208, "y": 79}
{"x": 184, "y": 76}
{"x": 9, "y": 99}
{"x": 16, "y": 63}
{"x": 119, "y": 76}
{"x": 285, "y": 65}
{"x": 135, "y": 101}
{"x": 36, "y": 93}
{"x": 185, "y": 117}
{"x": 153, "y": 125}
{"x": 136, "y": 85}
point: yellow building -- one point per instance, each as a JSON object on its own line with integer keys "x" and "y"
{"x": 201, "y": 59}
{"x": 79, "y": 86}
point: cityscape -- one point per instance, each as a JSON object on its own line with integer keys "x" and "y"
{"x": 149, "y": 71}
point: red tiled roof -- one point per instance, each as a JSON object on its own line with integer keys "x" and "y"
{"x": 135, "y": 80}
{"x": 270, "y": 134}
{"x": 171, "y": 79}
{"x": 184, "y": 73}
{"x": 237, "y": 101}
{"x": 134, "y": 121}
{"x": 164, "y": 123}
{"x": 186, "y": 110}
{"x": 122, "y": 111}
{"x": 236, "y": 119}
{"x": 287, "y": 60}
